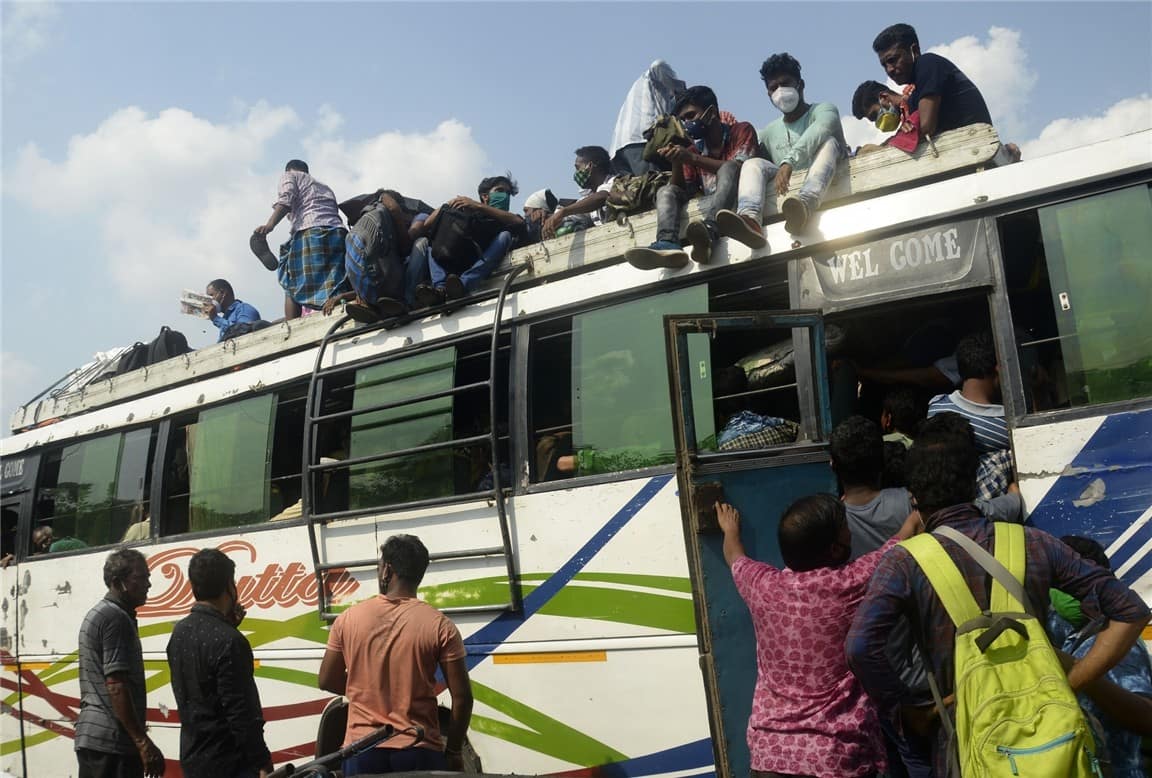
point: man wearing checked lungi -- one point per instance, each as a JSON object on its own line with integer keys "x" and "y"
{"x": 311, "y": 264}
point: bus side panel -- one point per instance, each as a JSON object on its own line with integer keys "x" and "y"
{"x": 1093, "y": 477}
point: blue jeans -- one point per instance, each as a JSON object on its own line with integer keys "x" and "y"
{"x": 394, "y": 760}
{"x": 670, "y": 200}
{"x": 416, "y": 270}
{"x": 757, "y": 179}
{"x": 471, "y": 278}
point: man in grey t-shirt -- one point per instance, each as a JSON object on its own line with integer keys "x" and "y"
{"x": 874, "y": 514}
{"x": 111, "y": 741}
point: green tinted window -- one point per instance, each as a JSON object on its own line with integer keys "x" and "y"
{"x": 621, "y": 417}
{"x": 413, "y": 476}
{"x": 1097, "y": 252}
{"x": 227, "y": 452}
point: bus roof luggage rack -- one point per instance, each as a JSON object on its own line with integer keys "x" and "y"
{"x": 317, "y": 521}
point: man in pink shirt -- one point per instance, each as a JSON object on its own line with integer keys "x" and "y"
{"x": 383, "y": 654}
{"x": 810, "y": 716}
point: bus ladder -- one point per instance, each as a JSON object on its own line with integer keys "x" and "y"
{"x": 316, "y": 521}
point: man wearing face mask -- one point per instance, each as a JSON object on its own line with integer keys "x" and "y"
{"x": 225, "y": 310}
{"x": 221, "y": 720}
{"x": 711, "y": 167}
{"x": 944, "y": 96}
{"x": 594, "y": 178}
{"x": 806, "y": 136}
{"x": 453, "y": 282}
{"x": 111, "y": 737}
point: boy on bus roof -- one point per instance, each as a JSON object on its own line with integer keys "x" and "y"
{"x": 710, "y": 166}
{"x": 806, "y": 136}
{"x": 810, "y": 715}
{"x": 594, "y": 176}
{"x": 225, "y": 311}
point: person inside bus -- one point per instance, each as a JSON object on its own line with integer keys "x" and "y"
{"x": 492, "y": 215}
{"x": 311, "y": 263}
{"x": 806, "y": 137}
{"x": 1122, "y": 703}
{"x": 900, "y": 416}
{"x": 978, "y": 399}
{"x": 594, "y": 177}
{"x": 710, "y": 167}
{"x": 810, "y": 716}
{"x": 224, "y": 310}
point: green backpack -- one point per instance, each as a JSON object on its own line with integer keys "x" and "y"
{"x": 1016, "y": 715}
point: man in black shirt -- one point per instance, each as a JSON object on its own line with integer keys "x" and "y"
{"x": 221, "y": 721}
{"x": 945, "y": 97}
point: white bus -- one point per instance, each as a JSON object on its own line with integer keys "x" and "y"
{"x": 549, "y": 443}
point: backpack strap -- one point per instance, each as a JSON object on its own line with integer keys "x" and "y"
{"x": 1006, "y": 585}
{"x": 944, "y": 577}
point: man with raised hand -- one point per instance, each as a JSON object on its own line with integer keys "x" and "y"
{"x": 111, "y": 737}
{"x": 383, "y": 654}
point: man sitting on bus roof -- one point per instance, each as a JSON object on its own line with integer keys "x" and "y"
{"x": 225, "y": 310}
{"x": 806, "y": 136}
{"x": 710, "y": 166}
{"x": 311, "y": 264}
{"x": 594, "y": 177}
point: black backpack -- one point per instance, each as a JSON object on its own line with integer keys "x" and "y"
{"x": 460, "y": 237}
{"x": 169, "y": 343}
{"x": 135, "y": 357}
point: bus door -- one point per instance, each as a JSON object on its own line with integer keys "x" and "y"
{"x": 769, "y": 398}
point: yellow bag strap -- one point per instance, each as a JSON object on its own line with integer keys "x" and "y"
{"x": 1009, "y": 547}
{"x": 944, "y": 576}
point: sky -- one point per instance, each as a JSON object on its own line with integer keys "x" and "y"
{"x": 142, "y": 142}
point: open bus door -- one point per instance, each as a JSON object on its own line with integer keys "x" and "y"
{"x": 760, "y": 481}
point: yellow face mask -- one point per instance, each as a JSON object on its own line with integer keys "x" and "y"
{"x": 888, "y": 120}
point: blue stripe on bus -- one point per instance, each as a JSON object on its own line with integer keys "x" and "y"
{"x": 501, "y": 628}
{"x": 1119, "y": 454}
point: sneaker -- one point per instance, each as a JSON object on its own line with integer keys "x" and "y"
{"x": 428, "y": 297}
{"x": 662, "y": 253}
{"x": 454, "y": 288}
{"x": 259, "y": 245}
{"x": 701, "y": 235}
{"x": 390, "y": 308}
{"x": 362, "y": 312}
{"x": 795, "y": 214}
{"x": 741, "y": 228}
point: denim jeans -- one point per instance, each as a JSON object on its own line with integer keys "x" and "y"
{"x": 671, "y": 198}
{"x": 471, "y": 278}
{"x": 757, "y": 179}
{"x": 416, "y": 270}
{"x": 394, "y": 760}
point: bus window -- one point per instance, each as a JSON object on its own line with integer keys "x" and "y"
{"x": 597, "y": 388}
{"x": 435, "y": 403}
{"x": 287, "y": 443}
{"x": 1079, "y": 282}
{"x": 218, "y": 467}
{"x": 90, "y": 492}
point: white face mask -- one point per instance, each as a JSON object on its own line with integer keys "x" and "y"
{"x": 786, "y": 98}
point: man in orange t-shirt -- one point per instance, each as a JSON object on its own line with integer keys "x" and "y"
{"x": 382, "y": 655}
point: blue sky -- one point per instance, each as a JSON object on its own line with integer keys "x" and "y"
{"x": 142, "y": 142}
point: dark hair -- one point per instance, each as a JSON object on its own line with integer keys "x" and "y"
{"x": 210, "y": 571}
{"x": 118, "y": 566}
{"x": 897, "y": 35}
{"x": 487, "y": 184}
{"x": 700, "y": 96}
{"x": 296, "y": 164}
{"x": 948, "y": 429}
{"x": 408, "y": 557}
{"x": 780, "y": 63}
{"x": 976, "y": 356}
{"x": 857, "y": 450}
{"x": 895, "y": 455}
{"x": 940, "y": 475}
{"x": 906, "y": 411}
{"x": 220, "y": 285}
{"x": 597, "y": 155}
{"x": 866, "y": 96}
{"x": 1089, "y": 549}
{"x": 808, "y": 529}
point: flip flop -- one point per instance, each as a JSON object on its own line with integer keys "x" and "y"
{"x": 259, "y": 245}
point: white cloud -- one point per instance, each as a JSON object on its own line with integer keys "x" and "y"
{"x": 999, "y": 68}
{"x": 1129, "y": 115}
{"x": 27, "y": 26}
{"x": 175, "y": 196}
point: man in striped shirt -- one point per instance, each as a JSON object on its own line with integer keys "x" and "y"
{"x": 978, "y": 398}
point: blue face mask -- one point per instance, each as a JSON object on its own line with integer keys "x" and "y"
{"x": 500, "y": 200}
